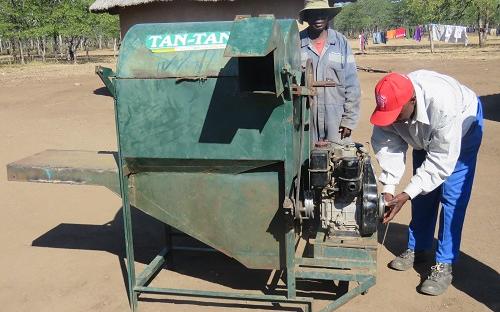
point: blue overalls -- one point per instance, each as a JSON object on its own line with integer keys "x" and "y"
{"x": 453, "y": 194}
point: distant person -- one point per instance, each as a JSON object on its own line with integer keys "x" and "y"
{"x": 335, "y": 112}
{"x": 443, "y": 121}
{"x": 362, "y": 42}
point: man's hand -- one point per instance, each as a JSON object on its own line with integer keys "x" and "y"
{"x": 344, "y": 132}
{"x": 388, "y": 197}
{"x": 394, "y": 205}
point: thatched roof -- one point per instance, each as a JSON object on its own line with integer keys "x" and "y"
{"x": 110, "y": 5}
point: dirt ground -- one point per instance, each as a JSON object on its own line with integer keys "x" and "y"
{"x": 62, "y": 245}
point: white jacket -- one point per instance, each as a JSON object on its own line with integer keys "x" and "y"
{"x": 444, "y": 112}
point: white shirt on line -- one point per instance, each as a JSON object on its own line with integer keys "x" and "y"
{"x": 449, "y": 33}
{"x": 444, "y": 112}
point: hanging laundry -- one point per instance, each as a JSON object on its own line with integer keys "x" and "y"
{"x": 391, "y": 34}
{"x": 400, "y": 33}
{"x": 438, "y": 32}
{"x": 419, "y": 32}
{"x": 449, "y": 33}
{"x": 379, "y": 37}
{"x": 397, "y": 33}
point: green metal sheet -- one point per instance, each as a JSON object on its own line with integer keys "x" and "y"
{"x": 236, "y": 214}
{"x": 293, "y": 108}
{"x": 211, "y": 119}
{"x": 193, "y": 165}
{"x": 176, "y": 50}
{"x": 253, "y": 37}
{"x": 187, "y": 104}
{"x": 107, "y": 76}
{"x": 290, "y": 34}
{"x": 199, "y": 147}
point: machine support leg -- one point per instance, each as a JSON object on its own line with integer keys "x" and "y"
{"x": 129, "y": 243}
{"x": 127, "y": 220}
{"x": 290, "y": 262}
{"x": 152, "y": 268}
{"x": 362, "y": 287}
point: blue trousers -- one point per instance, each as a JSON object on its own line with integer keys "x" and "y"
{"x": 453, "y": 194}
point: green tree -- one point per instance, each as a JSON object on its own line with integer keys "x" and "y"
{"x": 487, "y": 13}
{"x": 482, "y": 12}
{"x": 15, "y": 20}
{"x": 369, "y": 15}
{"x": 72, "y": 21}
{"x": 27, "y": 24}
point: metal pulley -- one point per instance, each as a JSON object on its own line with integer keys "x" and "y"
{"x": 381, "y": 206}
{"x": 370, "y": 213}
{"x": 309, "y": 204}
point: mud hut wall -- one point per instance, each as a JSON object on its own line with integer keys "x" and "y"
{"x": 191, "y": 11}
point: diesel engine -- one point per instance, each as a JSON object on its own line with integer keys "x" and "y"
{"x": 343, "y": 190}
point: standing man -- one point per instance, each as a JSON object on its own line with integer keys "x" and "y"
{"x": 335, "y": 112}
{"x": 443, "y": 121}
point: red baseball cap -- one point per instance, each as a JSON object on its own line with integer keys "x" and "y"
{"x": 392, "y": 92}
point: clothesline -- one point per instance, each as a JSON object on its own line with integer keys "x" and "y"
{"x": 398, "y": 33}
{"x": 449, "y": 33}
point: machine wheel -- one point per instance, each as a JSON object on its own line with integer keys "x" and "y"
{"x": 370, "y": 200}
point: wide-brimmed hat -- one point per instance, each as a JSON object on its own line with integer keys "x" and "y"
{"x": 325, "y": 5}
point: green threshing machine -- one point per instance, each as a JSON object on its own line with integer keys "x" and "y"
{"x": 213, "y": 140}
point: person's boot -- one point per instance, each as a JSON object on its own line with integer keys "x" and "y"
{"x": 406, "y": 260}
{"x": 438, "y": 281}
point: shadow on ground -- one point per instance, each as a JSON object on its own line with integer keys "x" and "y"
{"x": 470, "y": 276}
{"x": 491, "y": 106}
{"x": 102, "y": 91}
{"x": 215, "y": 267}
